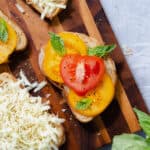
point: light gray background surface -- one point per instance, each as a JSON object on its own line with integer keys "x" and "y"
{"x": 130, "y": 20}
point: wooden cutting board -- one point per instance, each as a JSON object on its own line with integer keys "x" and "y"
{"x": 86, "y": 17}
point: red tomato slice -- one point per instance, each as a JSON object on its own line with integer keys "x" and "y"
{"x": 82, "y": 73}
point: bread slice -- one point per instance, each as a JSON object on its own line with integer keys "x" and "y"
{"x": 21, "y": 37}
{"x": 109, "y": 64}
{"x": 9, "y": 77}
{"x": 40, "y": 10}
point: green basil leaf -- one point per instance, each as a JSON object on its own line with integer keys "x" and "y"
{"x": 3, "y": 31}
{"x": 144, "y": 120}
{"x": 57, "y": 43}
{"x": 101, "y": 51}
{"x": 130, "y": 142}
{"x": 83, "y": 103}
{"x": 148, "y": 139}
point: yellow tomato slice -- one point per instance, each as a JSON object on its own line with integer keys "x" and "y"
{"x": 3, "y": 54}
{"x": 51, "y": 61}
{"x": 73, "y": 43}
{"x": 101, "y": 98}
{"x": 6, "y": 48}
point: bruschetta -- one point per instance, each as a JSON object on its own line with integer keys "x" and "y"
{"x": 12, "y": 38}
{"x": 48, "y": 8}
{"x": 82, "y": 69}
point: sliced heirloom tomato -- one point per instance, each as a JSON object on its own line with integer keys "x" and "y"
{"x": 73, "y": 43}
{"x": 82, "y": 73}
{"x": 51, "y": 61}
{"x": 6, "y": 48}
{"x": 100, "y": 98}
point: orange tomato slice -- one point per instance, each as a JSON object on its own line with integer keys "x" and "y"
{"x": 101, "y": 97}
{"x": 6, "y": 48}
{"x": 4, "y": 54}
{"x": 73, "y": 43}
{"x": 51, "y": 61}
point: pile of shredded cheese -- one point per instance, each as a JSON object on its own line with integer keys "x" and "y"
{"x": 24, "y": 121}
{"x": 48, "y": 6}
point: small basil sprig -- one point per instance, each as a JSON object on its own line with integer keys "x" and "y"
{"x": 101, "y": 51}
{"x": 83, "y": 104}
{"x": 3, "y": 30}
{"x": 57, "y": 43}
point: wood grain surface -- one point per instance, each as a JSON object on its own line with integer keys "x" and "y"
{"x": 87, "y": 17}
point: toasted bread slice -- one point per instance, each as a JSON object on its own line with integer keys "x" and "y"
{"x": 21, "y": 37}
{"x": 9, "y": 77}
{"x": 40, "y": 10}
{"x": 110, "y": 68}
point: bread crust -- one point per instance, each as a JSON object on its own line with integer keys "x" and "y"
{"x": 21, "y": 37}
{"x": 48, "y": 16}
{"x": 61, "y": 138}
{"x": 110, "y": 68}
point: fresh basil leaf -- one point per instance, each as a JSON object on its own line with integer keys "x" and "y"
{"x": 3, "y": 31}
{"x": 130, "y": 142}
{"x": 148, "y": 139}
{"x": 144, "y": 120}
{"x": 57, "y": 43}
{"x": 101, "y": 51}
{"x": 83, "y": 103}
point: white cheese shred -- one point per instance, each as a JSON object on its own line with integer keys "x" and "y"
{"x": 80, "y": 72}
{"x": 30, "y": 86}
{"x": 40, "y": 86}
{"x": 24, "y": 79}
{"x": 48, "y": 6}
{"x": 20, "y": 8}
{"x": 25, "y": 123}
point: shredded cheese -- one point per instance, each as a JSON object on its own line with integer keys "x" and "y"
{"x": 80, "y": 72}
{"x": 30, "y": 86}
{"x": 24, "y": 120}
{"x": 20, "y": 8}
{"x": 24, "y": 80}
{"x": 40, "y": 86}
{"x": 127, "y": 51}
{"x": 48, "y": 6}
